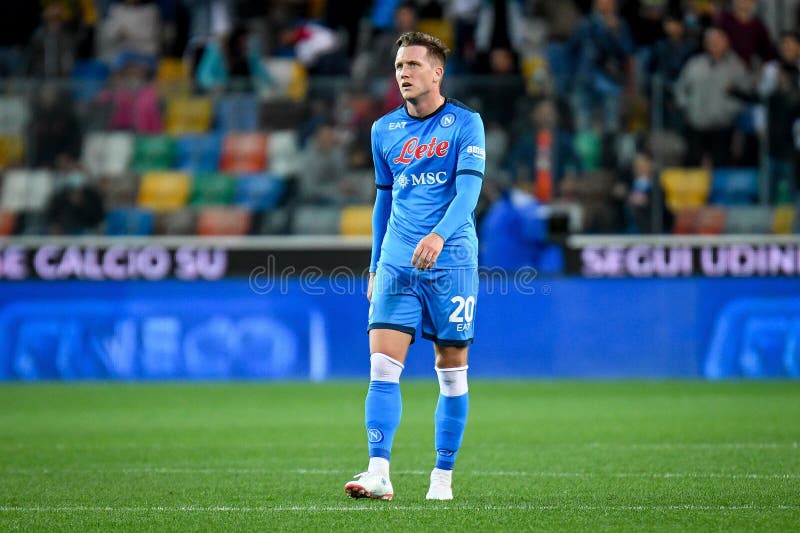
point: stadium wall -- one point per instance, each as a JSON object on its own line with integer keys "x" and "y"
{"x": 310, "y": 324}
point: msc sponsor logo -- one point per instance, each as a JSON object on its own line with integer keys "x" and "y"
{"x": 413, "y": 149}
{"x": 397, "y": 125}
{"x": 477, "y": 151}
{"x": 447, "y": 120}
{"x": 423, "y": 178}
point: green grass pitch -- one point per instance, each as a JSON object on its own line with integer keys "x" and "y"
{"x": 637, "y": 456}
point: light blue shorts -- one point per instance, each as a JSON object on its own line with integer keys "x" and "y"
{"x": 443, "y": 300}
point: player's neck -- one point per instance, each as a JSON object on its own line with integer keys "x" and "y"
{"x": 420, "y": 108}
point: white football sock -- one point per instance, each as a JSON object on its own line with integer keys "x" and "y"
{"x": 453, "y": 381}
{"x": 378, "y": 465}
{"x": 444, "y": 477}
{"x": 384, "y": 368}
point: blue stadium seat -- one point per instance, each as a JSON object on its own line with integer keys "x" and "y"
{"x": 733, "y": 186}
{"x": 129, "y": 222}
{"x": 237, "y": 113}
{"x": 89, "y": 77}
{"x": 199, "y": 153}
{"x": 260, "y": 191}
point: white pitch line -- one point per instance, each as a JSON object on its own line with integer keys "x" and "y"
{"x": 387, "y": 507}
{"x": 343, "y": 472}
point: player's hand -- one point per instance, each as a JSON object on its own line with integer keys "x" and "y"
{"x": 427, "y": 251}
{"x": 369, "y": 285}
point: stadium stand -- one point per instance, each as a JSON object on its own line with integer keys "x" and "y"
{"x": 260, "y": 191}
{"x": 129, "y": 221}
{"x": 732, "y": 186}
{"x": 107, "y": 153}
{"x": 212, "y": 188}
{"x": 749, "y": 219}
{"x": 26, "y": 190}
{"x": 8, "y": 220}
{"x": 187, "y": 115}
{"x": 153, "y": 152}
{"x": 244, "y": 153}
{"x": 686, "y": 187}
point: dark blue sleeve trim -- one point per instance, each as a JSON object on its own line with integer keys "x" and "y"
{"x": 384, "y": 187}
{"x": 470, "y": 172}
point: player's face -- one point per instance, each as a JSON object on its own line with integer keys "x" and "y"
{"x": 416, "y": 74}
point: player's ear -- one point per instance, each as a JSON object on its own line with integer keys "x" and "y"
{"x": 438, "y": 73}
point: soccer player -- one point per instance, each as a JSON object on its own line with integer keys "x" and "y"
{"x": 429, "y": 157}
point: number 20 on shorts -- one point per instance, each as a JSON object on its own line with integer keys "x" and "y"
{"x": 463, "y": 313}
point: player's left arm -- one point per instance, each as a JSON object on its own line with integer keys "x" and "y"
{"x": 471, "y": 148}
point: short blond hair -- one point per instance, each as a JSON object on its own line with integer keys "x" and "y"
{"x": 436, "y": 48}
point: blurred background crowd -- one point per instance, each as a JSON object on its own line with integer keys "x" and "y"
{"x": 220, "y": 117}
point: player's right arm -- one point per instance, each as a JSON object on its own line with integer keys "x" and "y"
{"x": 382, "y": 208}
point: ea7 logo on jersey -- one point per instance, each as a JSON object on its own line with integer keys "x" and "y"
{"x": 477, "y": 151}
{"x": 397, "y": 125}
{"x": 412, "y": 150}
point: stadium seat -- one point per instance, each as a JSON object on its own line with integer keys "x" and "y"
{"x": 237, "y": 113}
{"x": 14, "y": 115}
{"x": 224, "y": 221}
{"x": 316, "y": 220}
{"x": 356, "y": 220}
{"x": 732, "y": 186}
{"x": 188, "y": 115}
{"x": 198, "y": 153}
{"x": 89, "y": 77}
{"x": 749, "y": 219}
{"x": 784, "y": 219}
{"x": 173, "y": 77}
{"x": 273, "y": 222}
{"x": 213, "y": 189}
{"x": 31, "y": 223}
{"x": 119, "y": 191}
{"x": 588, "y": 147}
{"x": 284, "y": 152}
{"x": 107, "y": 153}
{"x": 260, "y": 191}
{"x": 25, "y": 189}
{"x": 153, "y": 152}
{"x": 164, "y": 191}
{"x": 12, "y": 150}
{"x": 442, "y": 28}
{"x": 685, "y": 187}
{"x": 244, "y": 153}
{"x": 129, "y": 221}
{"x": 8, "y": 221}
{"x": 708, "y": 220}
{"x": 180, "y": 222}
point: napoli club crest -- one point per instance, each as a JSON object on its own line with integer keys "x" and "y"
{"x": 447, "y": 120}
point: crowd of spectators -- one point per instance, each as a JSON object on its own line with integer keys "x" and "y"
{"x": 584, "y": 101}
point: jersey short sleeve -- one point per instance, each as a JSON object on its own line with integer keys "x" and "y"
{"x": 472, "y": 147}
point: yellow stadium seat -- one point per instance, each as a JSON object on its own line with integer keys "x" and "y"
{"x": 783, "y": 221}
{"x": 297, "y": 88}
{"x": 173, "y": 76}
{"x": 12, "y": 148}
{"x": 188, "y": 115}
{"x": 356, "y": 220}
{"x": 164, "y": 191}
{"x": 686, "y": 187}
{"x": 441, "y": 28}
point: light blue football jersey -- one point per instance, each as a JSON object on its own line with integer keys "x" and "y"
{"x": 419, "y": 159}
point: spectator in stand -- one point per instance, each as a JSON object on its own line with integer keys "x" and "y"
{"x": 324, "y": 163}
{"x": 746, "y": 32}
{"x": 779, "y": 88}
{"x": 501, "y": 26}
{"x": 132, "y": 26}
{"x": 639, "y": 202}
{"x": 378, "y": 62}
{"x": 132, "y": 97}
{"x": 513, "y": 233}
{"x": 51, "y": 52}
{"x": 503, "y": 91}
{"x": 545, "y": 152}
{"x": 235, "y": 63}
{"x": 463, "y": 15}
{"x": 603, "y": 47}
{"x": 704, "y": 92}
{"x": 318, "y": 48}
{"x": 54, "y": 129}
{"x": 76, "y": 206}
{"x": 666, "y": 63}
